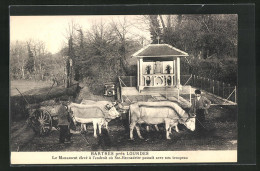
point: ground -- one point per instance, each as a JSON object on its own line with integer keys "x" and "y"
{"x": 221, "y": 123}
{"x": 26, "y": 85}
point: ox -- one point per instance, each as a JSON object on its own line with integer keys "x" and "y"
{"x": 99, "y": 113}
{"x": 158, "y": 112}
{"x": 110, "y": 106}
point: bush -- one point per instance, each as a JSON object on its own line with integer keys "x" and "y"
{"x": 18, "y": 104}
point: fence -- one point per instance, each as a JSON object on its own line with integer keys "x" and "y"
{"x": 218, "y": 88}
{"x": 185, "y": 79}
{"x": 131, "y": 81}
{"x": 128, "y": 81}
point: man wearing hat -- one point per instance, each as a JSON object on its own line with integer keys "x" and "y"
{"x": 200, "y": 106}
{"x": 63, "y": 123}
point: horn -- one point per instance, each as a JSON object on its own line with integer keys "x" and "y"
{"x": 107, "y": 107}
{"x": 193, "y": 116}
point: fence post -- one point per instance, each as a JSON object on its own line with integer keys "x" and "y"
{"x": 166, "y": 92}
{"x": 204, "y": 83}
{"x": 190, "y": 95}
{"x": 213, "y": 87}
{"x": 130, "y": 81}
{"x": 218, "y": 88}
{"x": 223, "y": 90}
{"x": 228, "y": 89}
{"x": 235, "y": 94}
{"x": 191, "y": 80}
{"x": 194, "y": 80}
{"x": 209, "y": 82}
{"x": 198, "y": 82}
{"x": 201, "y": 82}
{"x": 178, "y": 94}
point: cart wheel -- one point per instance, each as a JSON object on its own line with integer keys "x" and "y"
{"x": 57, "y": 128}
{"x": 109, "y": 93}
{"x": 41, "y": 122}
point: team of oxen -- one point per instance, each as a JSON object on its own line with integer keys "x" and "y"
{"x": 100, "y": 113}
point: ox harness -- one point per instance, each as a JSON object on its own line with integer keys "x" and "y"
{"x": 104, "y": 112}
{"x": 180, "y": 117}
{"x": 170, "y": 107}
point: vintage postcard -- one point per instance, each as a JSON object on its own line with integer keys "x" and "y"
{"x": 120, "y": 89}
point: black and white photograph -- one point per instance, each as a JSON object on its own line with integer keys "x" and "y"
{"x": 123, "y": 88}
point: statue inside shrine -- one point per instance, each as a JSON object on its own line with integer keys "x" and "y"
{"x": 157, "y": 67}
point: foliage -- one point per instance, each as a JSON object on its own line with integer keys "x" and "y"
{"x": 210, "y": 40}
{"x": 18, "y": 56}
{"x": 100, "y": 54}
{"x": 103, "y": 52}
{"x": 154, "y": 28}
{"x": 168, "y": 68}
{"x": 202, "y": 36}
{"x": 222, "y": 70}
{"x": 148, "y": 68}
{"x": 30, "y": 61}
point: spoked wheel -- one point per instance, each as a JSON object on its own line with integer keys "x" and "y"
{"x": 41, "y": 122}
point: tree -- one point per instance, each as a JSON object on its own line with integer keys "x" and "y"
{"x": 121, "y": 29}
{"x": 30, "y": 61}
{"x": 71, "y": 60}
{"x": 202, "y": 35}
{"x": 79, "y": 53}
{"x": 18, "y": 55}
{"x": 154, "y": 28}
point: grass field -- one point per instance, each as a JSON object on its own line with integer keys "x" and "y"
{"x": 26, "y": 85}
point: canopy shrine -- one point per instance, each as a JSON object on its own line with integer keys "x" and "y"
{"x": 158, "y": 65}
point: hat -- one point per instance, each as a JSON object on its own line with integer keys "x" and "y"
{"x": 197, "y": 92}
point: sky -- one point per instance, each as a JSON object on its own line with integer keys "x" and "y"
{"x": 52, "y": 29}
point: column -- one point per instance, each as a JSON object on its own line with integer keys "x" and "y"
{"x": 174, "y": 72}
{"x": 138, "y": 73}
{"x": 178, "y": 72}
{"x": 141, "y": 74}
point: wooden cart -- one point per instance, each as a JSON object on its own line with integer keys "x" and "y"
{"x": 43, "y": 118}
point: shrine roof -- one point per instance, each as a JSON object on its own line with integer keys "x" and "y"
{"x": 159, "y": 50}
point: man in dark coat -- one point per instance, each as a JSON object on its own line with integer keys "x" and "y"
{"x": 200, "y": 106}
{"x": 54, "y": 80}
{"x": 63, "y": 118}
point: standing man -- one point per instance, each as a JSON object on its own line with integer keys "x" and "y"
{"x": 63, "y": 118}
{"x": 200, "y": 106}
{"x": 54, "y": 80}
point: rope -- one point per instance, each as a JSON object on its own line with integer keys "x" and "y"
{"x": 127, "y": 98}
{"x": 180, "y": 117}
{"x": 80, "y": 133}
{"x": 122, "y": 81}
{"x": 200, "y": 123}
{"x": 23, "y": 96}
{"x": 105, "y": 114}
{"x": 84, "y": 138}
